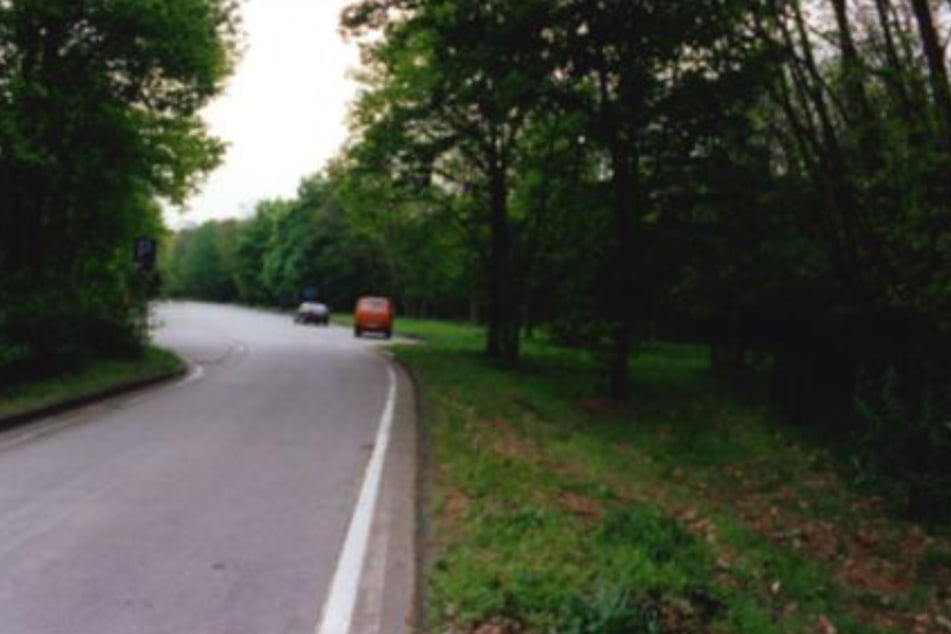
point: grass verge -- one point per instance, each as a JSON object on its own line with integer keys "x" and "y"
{"x": 96, "y": 377}
{"x": 690, "y": 510}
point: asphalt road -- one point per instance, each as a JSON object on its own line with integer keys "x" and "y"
{"x": 218, "y": 504}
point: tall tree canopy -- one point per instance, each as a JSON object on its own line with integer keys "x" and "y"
{"x": 658, "y": 84}
{"x": 453, "y": 87}
{"x": 772, "y": 177}
{"x": 99, "y": 104}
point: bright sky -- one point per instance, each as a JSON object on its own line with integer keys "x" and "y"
{"x": 284, "y": 110}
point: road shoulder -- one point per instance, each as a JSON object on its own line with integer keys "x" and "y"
{"x": 387, "y": 603}
{"x": 41, "y": 399}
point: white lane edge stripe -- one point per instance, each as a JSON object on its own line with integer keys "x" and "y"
{"x": 341, "y": 601}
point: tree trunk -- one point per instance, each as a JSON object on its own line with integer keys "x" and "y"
{"x": 894, "y": 77}
{"x": 843, "y": 223}
{"x": 621, "y": 272}
{"x": 852, "y": 63}
{"x": 938, "y": 75}
{"x": 619, "y": 378}
{"x": 725, "y": 360}
{"x": 502, "y": 341}
{"x": 854, "y": 83}
{"x": 813, "y": 384}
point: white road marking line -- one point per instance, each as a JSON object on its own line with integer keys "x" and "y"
{"x": 195, "y": 373}
{"x": 342, "y": 598}
{"x": 55, "y": 423}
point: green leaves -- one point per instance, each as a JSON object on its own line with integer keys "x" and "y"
{"x": 99, "y": 105}
{"x": 333, "y": 240}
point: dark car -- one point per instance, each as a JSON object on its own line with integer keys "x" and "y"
{"x": 312, "y": 313}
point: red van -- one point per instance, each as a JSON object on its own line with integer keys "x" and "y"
{"x": 374, "y": 314}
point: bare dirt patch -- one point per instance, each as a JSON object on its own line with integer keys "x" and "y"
{"x": 872, "y": 555}
{"x": 514, "y": 448}
{"x": 581, "y": 506}
{"x": 608, "y": 408}
{"x": 499, "y": 626}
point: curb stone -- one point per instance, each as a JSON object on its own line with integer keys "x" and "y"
{"x": 19, "y": 419}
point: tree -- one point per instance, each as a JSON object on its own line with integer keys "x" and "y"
{"x": 254, "y": 237}
{"x": 656, "y": 81}
{"x": 204, "y": 262}
{"x": 99, "y": 106}
{"x": 453, "y": 86}
{"x": 877, "y": 186}
{"x": 286, "y": 250}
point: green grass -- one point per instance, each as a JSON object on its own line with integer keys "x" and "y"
{"x": 447, "y": 333}
{"x": 688, "y": 510}
{"x": 95, "y": 377}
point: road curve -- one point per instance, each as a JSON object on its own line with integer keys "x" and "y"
{"x": 215, "y": 505}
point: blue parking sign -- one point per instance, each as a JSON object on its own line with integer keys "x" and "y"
{"x": 145, "y": 250}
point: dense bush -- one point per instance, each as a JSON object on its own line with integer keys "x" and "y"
{"x": 99, "y": 104}
{"x": 321, "y": 246}
{"x": 906, "y": 435}
{"x": 58, "y": 324}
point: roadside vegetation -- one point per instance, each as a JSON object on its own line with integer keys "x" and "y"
{"x": 769, "y": 178}
{"x": 580, "y": 178}
{"x": 99, "y": 122}
{"x": 688, "y": 509}
{"x": 91, "y": 379}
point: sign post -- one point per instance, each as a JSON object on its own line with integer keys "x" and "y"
{"x": 144, "y": 254}
{"x": 145, "y": 251}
